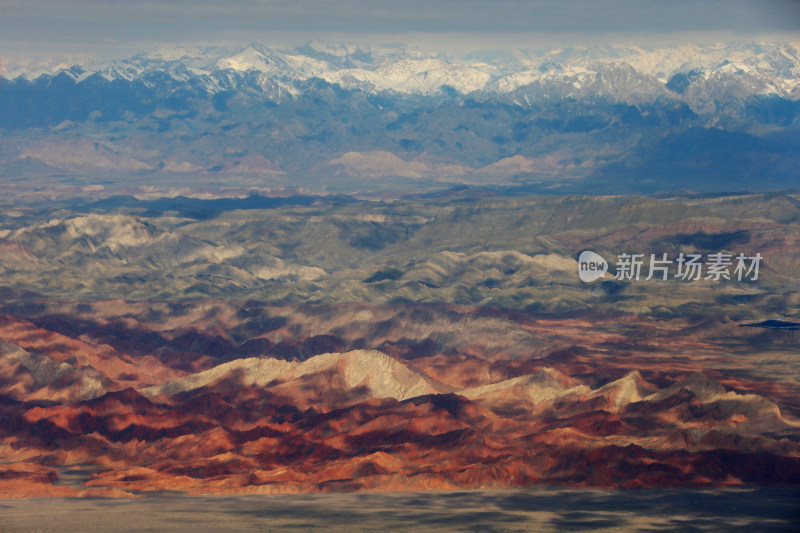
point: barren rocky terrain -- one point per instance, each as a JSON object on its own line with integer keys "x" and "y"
{"x": 333, "y": 344}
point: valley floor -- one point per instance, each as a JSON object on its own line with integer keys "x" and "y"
{"x": 534, "y": 509}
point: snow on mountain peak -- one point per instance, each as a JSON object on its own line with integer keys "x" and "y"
{"x": 247, "y": 59}
{"x": 394, "y": 68}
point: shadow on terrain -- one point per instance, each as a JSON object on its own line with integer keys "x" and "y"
{"x": 538, "y": 509}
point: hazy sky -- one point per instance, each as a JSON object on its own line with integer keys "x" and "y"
{"x": 111, "y": 27}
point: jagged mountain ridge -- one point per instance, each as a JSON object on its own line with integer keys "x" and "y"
{"x": 232, "y": 434}
{"x": 354, "y": 119}
{"x": 416, "y": 249}
{"x": 242, "y": 395}
{"x": 385, "y": 377}
{"x": 770, "y": 68}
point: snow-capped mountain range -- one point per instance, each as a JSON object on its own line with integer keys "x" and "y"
{"x": 754, "y": 68}
{"x": 357, "y": 117}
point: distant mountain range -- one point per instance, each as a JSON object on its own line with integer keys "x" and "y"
{"x": 355, "y": 118}
{"x": 626, "y": 73}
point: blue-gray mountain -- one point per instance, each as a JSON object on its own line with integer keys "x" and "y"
{"x": 355, "y": 118}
